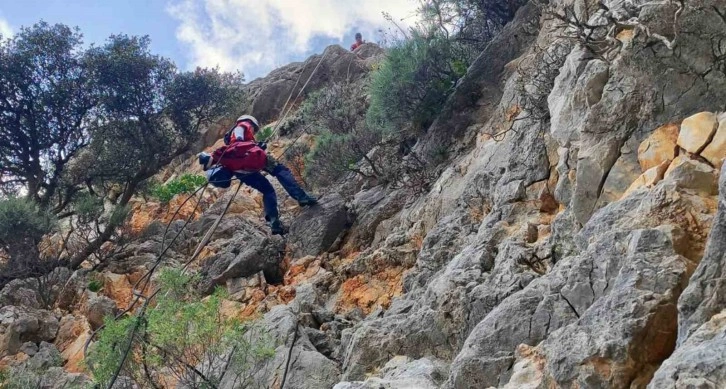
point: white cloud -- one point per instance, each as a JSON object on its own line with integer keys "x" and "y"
{"x": 256, "y": 36}
{"x": 5, "y": 29}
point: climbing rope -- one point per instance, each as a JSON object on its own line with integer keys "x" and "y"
{"x": 138, "y": 288}
{"x": 146, "y": 278}
{"x": 285, "y": 113}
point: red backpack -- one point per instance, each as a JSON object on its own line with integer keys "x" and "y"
{"x": 241, "y": 156}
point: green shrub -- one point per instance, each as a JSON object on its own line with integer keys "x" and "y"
{"x": 23, "y": 219}
{"x": 22, "y": 226}
{"x": 264, "y": 134}
{"x": 337, "y": 116}
{"x": 184, "y": 334}
{"x": 187, "y": 183}
{"x": 412, "y": 83}
{"x": 87, "y": 207}
{"x": 95, "y": 285}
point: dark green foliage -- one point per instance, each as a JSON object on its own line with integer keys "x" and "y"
{"x": 152, "y": 113}
{"x": 22, "y": 223}
{"x": 412, "y": 83}
{"x": 95, "y": 285}
{"x": 47, "y": 105}
{"x": 337, "y": 115}
{"x": 187, "y": 183}
{"x": 184, "y": 334}
{"x": 22, "y": 226}
{"x": 87, "y": 208}
{"x": 264, "y": 135}
{"x": 80, "y": 126}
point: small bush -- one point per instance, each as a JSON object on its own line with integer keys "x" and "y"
{"x": 413, "y": 81}
{"x": 95, "y": 285}
{"x": 23, "y": 220}
{"x": 185, "y": 336}
{"x": 337, "y": 115}
{"x": 264, "y": 134}
{"x": 22, "y": 226}
{"x": 88, "y": 208}
{"x": 187, "y": 183}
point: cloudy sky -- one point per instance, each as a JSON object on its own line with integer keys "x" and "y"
{"x": 254, "y": 36}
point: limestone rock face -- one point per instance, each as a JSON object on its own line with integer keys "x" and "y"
{"x": 308, "y": 368}
{"x": 572, "y": 235}
{"x": 20, "y": 325}
{"x": 402, "y": 372}
{"x": 698, "y": 362}
{"x": 317, "y": 228}
{"x": 705, "y": 295}
{"x": 697, "y": 131}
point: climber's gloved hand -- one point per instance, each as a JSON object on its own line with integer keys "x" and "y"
{"x": 205, "y": 160}
{"x": 262, "y": 145}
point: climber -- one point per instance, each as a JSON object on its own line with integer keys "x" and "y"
{"x": 244, "y": 158}
{"x": 358, "y": 42}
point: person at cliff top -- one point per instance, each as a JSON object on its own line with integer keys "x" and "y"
{"x": 358, "y": 42}
{"x": 244, "y": 158}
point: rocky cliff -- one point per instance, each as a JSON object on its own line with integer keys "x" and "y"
{"x": 575, "y": 235}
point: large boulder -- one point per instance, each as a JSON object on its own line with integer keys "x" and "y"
{"x": 401, "y": 373}
{"x": 697, "y": 131}
{"x": 98, "y": 308}
{"x": 19, "y": 325}
{"x": 705, "y": 295}
{"x": 715, "y": 152}
{"x": 659, "y": 147}
{"x": 294, "y": 356}
{"x": 699, "y": 361}
{"x": 693, "y": 175}
{"x": 246, "y": 252}
{"x": 316, "y": 229}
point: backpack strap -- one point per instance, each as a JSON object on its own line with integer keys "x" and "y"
{"x": 228, "y": 134}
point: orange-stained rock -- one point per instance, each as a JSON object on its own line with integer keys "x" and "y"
{"x": 625, "y": 36}
{"x": 73, "y": 333}
{"x": 286, "y": 294}
{"x": 245, "y": 205}
{"x": 659, "y": 147}
{"x": 118, "y": 288}
{"x": 715, "y": 152}
{"x": 529, "y": 368}
{"x": 230, "y": 309}
{"x": 649, "y": 178}
{"x": 696, "y": 131}
{"x": 370, "y": 292}
{"x": 692, "y": 174}
{"x": 302, "y": 269}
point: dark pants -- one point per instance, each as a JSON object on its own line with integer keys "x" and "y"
{"x": 269, "y": 197}
{"x": 286, "y": 179}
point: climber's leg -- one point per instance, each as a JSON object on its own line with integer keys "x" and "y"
{"x": 286, "y": 179}
{"x": 269, "y": 199}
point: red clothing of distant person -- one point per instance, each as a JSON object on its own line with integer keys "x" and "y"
{"x": 358, "y": 42}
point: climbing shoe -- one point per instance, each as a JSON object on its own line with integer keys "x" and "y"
{"x": 277, "y": 228}
{"x": 205, "y": 160}
{"x": 308, "y": 201}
